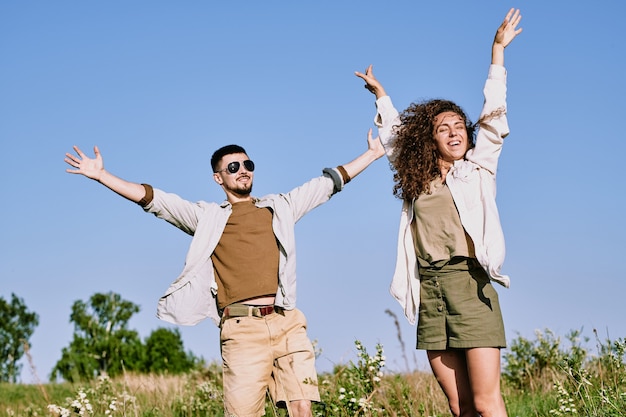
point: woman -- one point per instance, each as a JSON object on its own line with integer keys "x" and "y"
{"x": 450, "y": 234}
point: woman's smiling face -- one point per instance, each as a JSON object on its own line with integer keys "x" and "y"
{"x": 450, "y": 135}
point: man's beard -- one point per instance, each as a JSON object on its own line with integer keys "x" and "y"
{"x": 243, "y": 192}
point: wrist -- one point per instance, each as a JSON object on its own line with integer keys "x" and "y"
{"x": 372, "y": 155}
{"x": 497, "y": 54}
{"x": 100, "y": 176}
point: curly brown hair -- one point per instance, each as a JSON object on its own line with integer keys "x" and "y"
{"x": 415, "y": 163}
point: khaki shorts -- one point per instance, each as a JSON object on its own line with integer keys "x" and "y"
{"x": 459, "y": 308}
{"x": 266, "y": 353}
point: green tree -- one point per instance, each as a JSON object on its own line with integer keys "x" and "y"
{"x": 102, "y": 343}
{"x": 164, "y": 353}
{"x": 17, "y": 325}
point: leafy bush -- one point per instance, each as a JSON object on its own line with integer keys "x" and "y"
{"x": 535, "y": 364}
{"x": 573, "y": 382}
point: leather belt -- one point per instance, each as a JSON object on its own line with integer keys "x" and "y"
{"x": 244, "y": 310}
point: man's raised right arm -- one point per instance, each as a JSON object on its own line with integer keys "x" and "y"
{"x": 93, "y": 168}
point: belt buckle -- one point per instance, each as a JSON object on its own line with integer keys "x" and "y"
{"x": 262, "y": 311}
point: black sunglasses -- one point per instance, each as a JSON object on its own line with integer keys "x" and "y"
{"x": 233, "y": 167}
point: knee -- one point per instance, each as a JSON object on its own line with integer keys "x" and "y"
{"x": 300, "y": 408}
{"x": 492, "y": 406}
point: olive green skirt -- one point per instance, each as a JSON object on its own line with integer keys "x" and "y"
{"x": 459, "y": 308}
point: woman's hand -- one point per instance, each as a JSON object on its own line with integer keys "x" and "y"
{"x": 504, "y": 35}
{"x": 371, "y": 83}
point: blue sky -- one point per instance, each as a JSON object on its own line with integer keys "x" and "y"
{"x": 159, "y": 85}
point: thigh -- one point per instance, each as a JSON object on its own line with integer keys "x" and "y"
{"x": 483, "y": 365}
{"x": 246, "y": 364}
{"x": 450, "y": 370}
{"x": 295, "y": 377}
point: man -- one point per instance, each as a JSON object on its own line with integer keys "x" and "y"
{"x": 240, "y": 271}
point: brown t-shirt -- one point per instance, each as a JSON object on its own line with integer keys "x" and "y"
{"x": 246, "y": 258}
{"x": 438, "y": 232}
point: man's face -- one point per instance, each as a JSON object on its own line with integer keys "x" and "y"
{"x": 239, "y": 182}
{"x": 451, "y": 136}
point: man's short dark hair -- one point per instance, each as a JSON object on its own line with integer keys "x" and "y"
{"x": 222, "y": 152}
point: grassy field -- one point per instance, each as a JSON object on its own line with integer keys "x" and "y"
{"x": 543, "y": 377}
